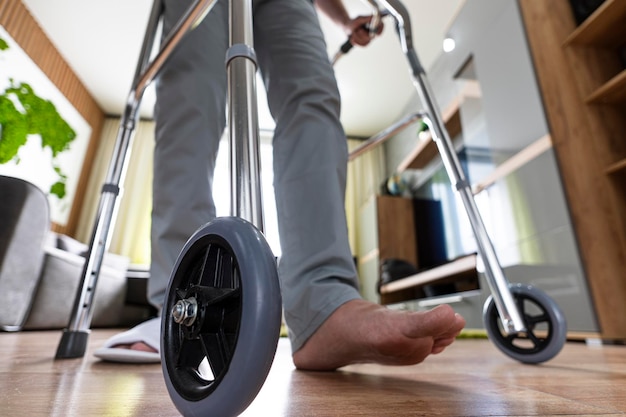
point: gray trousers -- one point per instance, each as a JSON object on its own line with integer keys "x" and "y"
{"x": 316, "y": 269}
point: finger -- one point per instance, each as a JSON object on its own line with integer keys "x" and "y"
{"x": 360, "y": 37}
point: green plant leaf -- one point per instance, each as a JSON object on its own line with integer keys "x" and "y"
{"x": 58, "y": 189}
{"x": 43, "y": 119}
{"x": 39, "y": 117}
{"x": 14, "y": 130}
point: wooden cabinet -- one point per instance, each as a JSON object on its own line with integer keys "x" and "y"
{"x": 582, "y": 78}
{"x": 396, "y": 229}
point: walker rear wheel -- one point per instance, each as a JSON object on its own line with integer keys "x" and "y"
{"x": 546, "y": 328}
{"x": 221, "y": 319}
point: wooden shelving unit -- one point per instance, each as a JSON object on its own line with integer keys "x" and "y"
{"x": 611, "y": 92}
{"x": 583, "y": 83}
{"x": 617, "y": 167}
{"x": 604, "y": 28}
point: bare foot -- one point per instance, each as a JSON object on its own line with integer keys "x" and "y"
{"x": 137, "y": 346}
{"x": 363, "y": 332}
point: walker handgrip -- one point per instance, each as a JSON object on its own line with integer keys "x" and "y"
{"x": 347, "y": 45}
{"x": 371, "y": 28}
{"x": 345, "y": 48}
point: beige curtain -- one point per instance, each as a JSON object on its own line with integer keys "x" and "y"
{"x": 365, "y": 174}
{"x": 131, "y": 231}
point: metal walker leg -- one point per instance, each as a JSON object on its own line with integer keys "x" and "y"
{"x": 74, "y": 339}
{"x": 509, "y": 314}
{"x": 499, "y": 286}
{"x": 226, "y": 270}
{"x": 432, "y": 117}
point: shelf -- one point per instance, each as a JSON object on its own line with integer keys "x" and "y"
{"x": 457, "y": 267}
{"x": 422, "y": 154}
{"x": 518, "y": 160}
{"x": 426, "y": 149}
{"x": 605, "y": 27}
{"x": 613, "y": 91}
{"x": 447, "y": 299}
{"x": 616, "y": 167}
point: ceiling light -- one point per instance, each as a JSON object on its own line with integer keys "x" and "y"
{"x": 448, "y": 45}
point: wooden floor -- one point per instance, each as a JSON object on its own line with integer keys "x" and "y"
{"x": 471, "y": 378}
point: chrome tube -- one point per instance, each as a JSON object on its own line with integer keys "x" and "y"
{"x": 385, "y": 134}
{"x": 498, "y": 284}
{"x": 192, "y": 17}
{"x": 74, "y": 339}
{"x": 245, "y": 165}
{"x": 82, "y": 312}
{"x": 376, "y": 18}
{"x": 403, "y": 22}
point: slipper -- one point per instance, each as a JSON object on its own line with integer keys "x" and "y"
{"x": 148, "y": 332}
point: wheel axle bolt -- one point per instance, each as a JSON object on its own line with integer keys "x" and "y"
{"x": 185, "y": 311}
{"x": 509, "y": 326}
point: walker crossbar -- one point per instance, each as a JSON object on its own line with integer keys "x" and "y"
{"x": 386, "y": 134}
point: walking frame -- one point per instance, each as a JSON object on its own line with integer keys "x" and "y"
{"x": 504, "y": 314}
{"x": 245, "y": 167}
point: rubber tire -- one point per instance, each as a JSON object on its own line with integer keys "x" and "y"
{"x": 260, "y": 319}
{"x": 549, "y": 346}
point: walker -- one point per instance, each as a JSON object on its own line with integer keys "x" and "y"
{"x": 222, "y": 314}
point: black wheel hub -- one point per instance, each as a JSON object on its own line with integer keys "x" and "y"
{"x": 204, "y": 319}
{"x": 530, "y": 341}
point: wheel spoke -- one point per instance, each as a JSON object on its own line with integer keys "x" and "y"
{"x": 211, "y": 295}
{"x": 190, "y": 355}
{"x": 511, "y": 337}
{"x": 538, "y": 319}
{"x": 219, "y": 351}
{"x": 533, "y": 338}
{"x": 216, "y": 268}
{"x": 229, "y": 269}
{"x": 520, "y": 305}
{"x": 207, "y": 270}
{"x": 218, "y": 277}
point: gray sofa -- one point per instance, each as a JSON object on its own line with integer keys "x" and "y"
{"x": 64, "y": 259}
{"x": 40, "y": 270}
{"x": 24, "y": 223}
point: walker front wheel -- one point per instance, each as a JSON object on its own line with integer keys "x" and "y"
{"x": 221, "y": 319}
{"x": 546, "y": 328}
